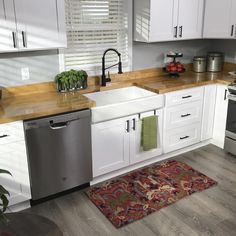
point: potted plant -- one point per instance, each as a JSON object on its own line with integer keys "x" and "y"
{"x": 4, "y": 194}
{"x": 71, "y": 80}
{"x": 21, "y": 223}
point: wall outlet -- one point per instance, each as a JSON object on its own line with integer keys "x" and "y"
{"x": 25, "y": 73}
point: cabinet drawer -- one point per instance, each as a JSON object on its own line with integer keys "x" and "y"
{"x": 11, "y": 132}
{"x": 183, "y": 115}
{"x": 184, "y": 96}
{"x": 181, "y": 137}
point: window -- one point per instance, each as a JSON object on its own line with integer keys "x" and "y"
{"x": 92, "y": 27}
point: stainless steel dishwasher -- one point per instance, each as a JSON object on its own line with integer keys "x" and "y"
{"x": 59, "y": 153}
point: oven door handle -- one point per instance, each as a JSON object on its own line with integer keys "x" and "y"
{"x": 232, "y": 97}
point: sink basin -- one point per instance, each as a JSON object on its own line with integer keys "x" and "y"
{"x": 122, "y": 102}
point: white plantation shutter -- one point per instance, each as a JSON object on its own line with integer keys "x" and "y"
{"x": 92, "y": 27}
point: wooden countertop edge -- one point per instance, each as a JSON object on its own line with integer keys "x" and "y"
{"x": 90, "y": 103}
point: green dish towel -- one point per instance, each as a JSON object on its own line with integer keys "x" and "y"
{"x": 149, "y": 133}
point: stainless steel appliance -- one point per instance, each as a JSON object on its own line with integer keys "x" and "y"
{"x": 199, "y": 64}
{"x": 215, "y": 61}
{"x": 59, "y": 152}
{"x": 230, "y": 134}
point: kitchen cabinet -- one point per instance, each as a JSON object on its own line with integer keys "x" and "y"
{"x": 7, "y": 26}
{"x": 190, "y": 19}
{"x": 221, "y": 109}
{"x": 220, "y": 19}
{"x": 167, "y": 20}
{"x": 32, "y": 25}
{"x": 110, "y": 145}
{"x": 117, "y": 143}
{"x": 137, "y": 154}
{"x": 209, "y": 103}
{"x": 182, "y": 118}
{"x": 14, "y": 159}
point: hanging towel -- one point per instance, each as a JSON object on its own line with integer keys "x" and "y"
{"x": 149, "y": 133}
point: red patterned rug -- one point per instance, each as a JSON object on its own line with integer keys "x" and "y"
{"x": 137, "y": 194}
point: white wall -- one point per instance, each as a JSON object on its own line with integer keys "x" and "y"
{"x": 152, "y": 55}
{"x": 43, "y": 66}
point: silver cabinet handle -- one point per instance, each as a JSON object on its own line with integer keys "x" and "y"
{"x": 186, "y": 115}
{"x": 185, "y": 97}
{"x": 232, "y": 30}
{"x": 4, "y": 136}
{"x": 134, "y": 124}
{"x": 176, "y": 31}
{"x": 225, "y": 97}
{"x": 180, "y": 31}
{"x": 24, "y": 39}
{"x": 127, "y": 126}
{"x": 14, "y": 39}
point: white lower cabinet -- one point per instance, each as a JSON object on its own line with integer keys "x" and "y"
{"x": 182, "y": 115}
{"x": 110, "y": 146}
{"x": 117, "y": 143}
{"x": 137, "y": 154}
{"x": 182, "y": 118}
{"x": 13, "y": 158}
{"x": 208, "y": 116}
{"x": 182, "y": 137}
{"x": 221, "y": 109}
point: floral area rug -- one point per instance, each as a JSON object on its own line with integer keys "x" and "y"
{"x": 139, "y": 193}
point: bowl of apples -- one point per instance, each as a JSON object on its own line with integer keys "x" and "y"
{"x": 174, "y": 68}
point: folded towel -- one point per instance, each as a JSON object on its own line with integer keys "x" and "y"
{"x": 149, "y": 133}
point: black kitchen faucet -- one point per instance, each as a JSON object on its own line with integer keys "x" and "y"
{"x": 104, "y": 78}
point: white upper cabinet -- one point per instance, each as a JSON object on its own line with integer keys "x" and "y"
{"x": 161, "y": 21}
{"x": 34, "y": 25}
{"x": 167, "y": 20}
{"x": 7, "y": 26}
{"x": 190, "y": 19}
{"x": 220, "y": 19}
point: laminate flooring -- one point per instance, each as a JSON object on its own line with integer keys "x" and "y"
{"x": 211, "y": 212}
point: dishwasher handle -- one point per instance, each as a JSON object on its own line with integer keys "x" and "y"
{"x": 59, "y": 125}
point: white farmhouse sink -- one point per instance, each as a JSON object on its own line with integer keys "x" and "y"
{"x": 122, "y": 102}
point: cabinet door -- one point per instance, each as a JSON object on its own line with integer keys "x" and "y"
{"x": 39, "y": 24}
{"x": 190, "y": 19}
{"x": 137, "y": 154}
{"x": 220, "y": 116}
{"x": 14, "y": 159}
{"x": 208, "y": 112}
{"x": 162, "y": 19}
{"x": 8, "y": 40}
{"x": 217, "y": 22}
{"x": 110, "y": 146}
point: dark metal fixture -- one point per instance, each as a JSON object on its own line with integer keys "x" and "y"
{"x": 104, "y": 68}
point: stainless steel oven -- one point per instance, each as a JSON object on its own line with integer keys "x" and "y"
{"x": 230, "y": 134}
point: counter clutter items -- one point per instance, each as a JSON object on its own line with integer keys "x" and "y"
{"x": 174, "y": 68}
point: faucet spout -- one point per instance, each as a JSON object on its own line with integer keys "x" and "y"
{"x": 104, "y": 78}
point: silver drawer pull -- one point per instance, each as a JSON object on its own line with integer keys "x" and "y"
{"x": 187, "y": 97}
{"x": 181, "y": 138}
{"x": 4, "y": 136}
{"x": 186, "y": 115}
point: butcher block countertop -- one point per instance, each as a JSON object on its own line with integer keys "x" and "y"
{"x": 43, "y": 100}
{"x": 165, "y": 84}
{"x": 41, "y": 104}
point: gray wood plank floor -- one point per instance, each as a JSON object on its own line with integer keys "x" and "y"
{"x": 211, "y": 212}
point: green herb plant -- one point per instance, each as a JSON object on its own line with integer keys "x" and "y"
{"x": 72, "y": 79}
